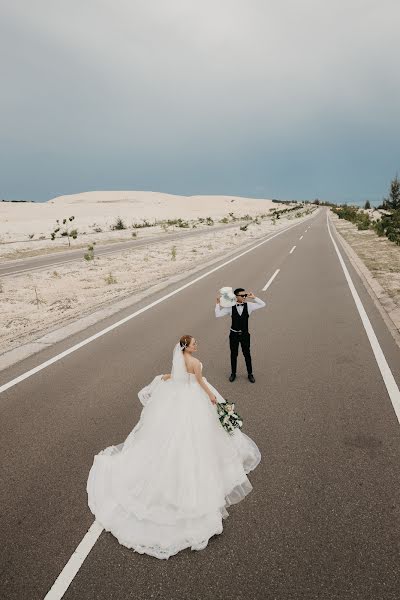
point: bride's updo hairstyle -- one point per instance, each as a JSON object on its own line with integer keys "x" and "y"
{"x": 185, "y": 341}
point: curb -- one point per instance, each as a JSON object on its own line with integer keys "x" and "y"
{"x": 389, "y": 311}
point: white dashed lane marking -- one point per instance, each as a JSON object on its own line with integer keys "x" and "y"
{"x": 266, "y": 286}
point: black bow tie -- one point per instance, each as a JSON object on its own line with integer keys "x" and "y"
{"x": 240, "y": 304}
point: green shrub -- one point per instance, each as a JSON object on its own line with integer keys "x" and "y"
{"x": 393, "y": 200}
{"x": 118, "y": 225}
{"x": 89, "y": 255}
{"x": 66, "y": 231}
{"x": 110, "y": 279}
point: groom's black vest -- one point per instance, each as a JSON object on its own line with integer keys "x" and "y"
{"x": 240, "y": 322}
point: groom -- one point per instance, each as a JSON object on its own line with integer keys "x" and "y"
{"x": 239, "y": 333}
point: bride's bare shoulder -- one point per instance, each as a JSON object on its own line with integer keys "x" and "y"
{"x": 191, "y": 362}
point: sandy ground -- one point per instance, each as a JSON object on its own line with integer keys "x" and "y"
{"x": 379, "y": 255}
{"x": 36, "y": 303}
{"x": 25, "y": 228}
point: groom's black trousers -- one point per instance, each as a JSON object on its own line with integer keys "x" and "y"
{"x": 244, "y": 340}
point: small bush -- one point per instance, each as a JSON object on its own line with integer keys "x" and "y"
{"x": 354, "y": 215}
{"x": 38, "y": 299}
{"x": 144, "y": 223}
{"x": 110, "y": 279}
{"x": 391, "y": 226}
{"x": 118, "y": 225}
{"x": 89, "y": 255}
{"x": 173, "y": 253}
{"x": 65, "y": 230}
{"x": 364, "y": 224}
{"x": 378, "y": 227}
{"x": 178, "y": 222}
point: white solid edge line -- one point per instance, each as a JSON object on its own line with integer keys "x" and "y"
{"x": 266, "y": 286}
{"x": 68, "y": 573}
{"x": 292, "y": 249}
{"x": 387, "y": 375}
{"x": 58, "y": 357}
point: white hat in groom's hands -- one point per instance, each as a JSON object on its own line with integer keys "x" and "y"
{"x": 228, "y": 298}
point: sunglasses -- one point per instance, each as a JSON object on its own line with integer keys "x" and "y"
{"x": 242, "y": 295}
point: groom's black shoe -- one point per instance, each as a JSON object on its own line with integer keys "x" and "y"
{"x": 232, "y": 377}
{"x": 251, "y": 378}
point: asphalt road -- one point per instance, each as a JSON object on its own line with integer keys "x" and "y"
{"x": 323, "y": 519}
{"x": 46, "y": 261}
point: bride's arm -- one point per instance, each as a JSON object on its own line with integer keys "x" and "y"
{"x": 200, "y": 381}
{"x": 166, "y": 376}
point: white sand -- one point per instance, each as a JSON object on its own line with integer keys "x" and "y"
{"x": 33, "y": 304}
{"x": 19, "y": 220}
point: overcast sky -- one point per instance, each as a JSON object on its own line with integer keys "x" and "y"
{"x": 277, "y": 99}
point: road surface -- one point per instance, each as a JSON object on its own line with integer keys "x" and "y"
{"x": 323, "y": 519}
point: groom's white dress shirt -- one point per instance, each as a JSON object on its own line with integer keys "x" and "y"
{"x": 251, "y": 306}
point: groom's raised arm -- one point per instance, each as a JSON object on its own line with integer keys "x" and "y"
{"x": 221, "y": 312}
{"x": 255, "y": 304}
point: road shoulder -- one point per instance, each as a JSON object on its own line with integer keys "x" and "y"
{"x": 388, "y": 308}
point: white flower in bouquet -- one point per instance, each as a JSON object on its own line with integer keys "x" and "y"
{"x": 228, "y": 418}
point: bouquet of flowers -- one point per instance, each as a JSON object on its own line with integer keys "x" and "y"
{"x": 229, "y": 419}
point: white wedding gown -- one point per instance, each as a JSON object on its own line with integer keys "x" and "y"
{"x": 167, "y": 486}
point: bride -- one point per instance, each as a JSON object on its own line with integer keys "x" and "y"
{"x": 167, "y": 486}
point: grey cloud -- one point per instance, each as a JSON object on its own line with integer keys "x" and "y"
{"x": 164, "y": 83}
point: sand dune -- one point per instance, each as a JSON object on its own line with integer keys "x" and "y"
{"x": 99, "y": 210}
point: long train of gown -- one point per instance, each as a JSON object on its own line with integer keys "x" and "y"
{"x": 167, "y": 486}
